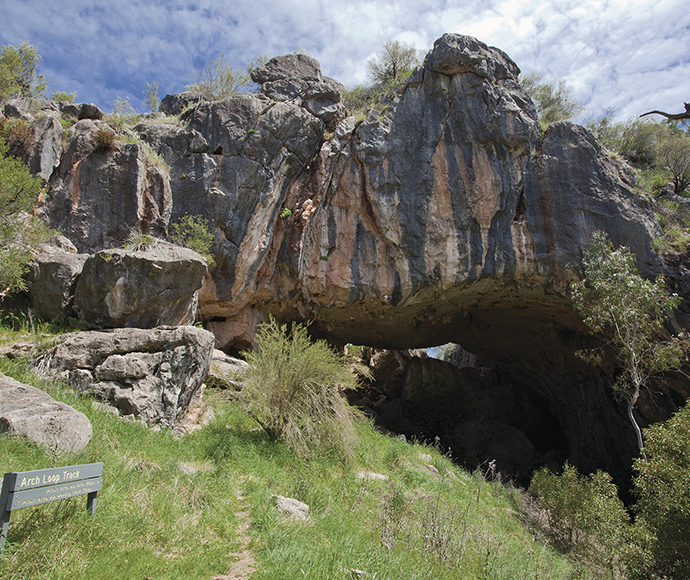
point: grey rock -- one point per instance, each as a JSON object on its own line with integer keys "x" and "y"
{"x": 289, "y": 66}
{"x": 120, "y": 186}
{"x": 151, "y": 374}
{"x": 176, "y": 103}
{"x": 140, "y": 288}
{"x": 226, "y": 372}
{"x": 46, "y": 151}
{"x": 52, "y": 279}
{"x": 291, "y": 507}
{"x": 32, "y": 413}
{"x": 80, "y": 111}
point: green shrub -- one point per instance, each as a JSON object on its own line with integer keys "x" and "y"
{"x": 63, "y": 96}
{"x": 192, "y": 232}
{"x": 20, "y": 233}
{"x": 17, "y": 133}
{"x": 662, "y": 487}
{"x": 585, "y": 515}
{"x": 293, "y": 389}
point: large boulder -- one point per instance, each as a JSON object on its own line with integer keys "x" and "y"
{"x": 52, "y": 279}
{"x": 147, "y": 287}
{"x": 152, "y": 374}
{"x": 32, "y": 413}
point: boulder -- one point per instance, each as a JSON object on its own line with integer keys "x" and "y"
{"x": 155, "y": 285}
{"x": 32, "y": 413}
{"x": 151, "y": 374}
{"x": 52, "y": 279}
{"x": 297, "y": 78}
{"x": 79, "y": 111}
{"x": 226, "y": 371}
{"x": 176, "y": 103}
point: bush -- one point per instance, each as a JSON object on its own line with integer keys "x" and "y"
{"x": 293, "y": 390}
{"x": 192, "y": 232}
{"x": 19, "y": 232}
{"x": 585, "y": 515}
{"x": 105, "y": 140}
{"x": 17, "y": 133}
{"x": 662, "y": 487}
{"x": 63, "y": 96}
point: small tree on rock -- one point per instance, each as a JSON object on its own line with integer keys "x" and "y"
{"x": 218, "y": 80}
{"x": 628, "y": 311}
{"x": 18, "y": 72}
{"x": 393, "y": 63}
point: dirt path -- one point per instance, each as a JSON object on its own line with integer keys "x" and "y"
{"x": 245, "y": 564}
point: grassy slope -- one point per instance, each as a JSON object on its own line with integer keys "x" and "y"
{"x": 155, "y": 521}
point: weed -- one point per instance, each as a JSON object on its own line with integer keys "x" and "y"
{"x": 192, "y": 232}
{"x": 105, "y": 140}
{"x": 286, "y": 213}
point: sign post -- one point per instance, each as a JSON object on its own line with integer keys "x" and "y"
{"x": 28, "y": 488}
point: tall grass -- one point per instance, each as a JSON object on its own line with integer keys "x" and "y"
{"x": 155, "y": 520}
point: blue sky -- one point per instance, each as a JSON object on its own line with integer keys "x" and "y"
{"x": 631, "y": 55}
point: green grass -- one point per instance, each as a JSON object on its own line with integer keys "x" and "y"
{"x": 155, "y": 521}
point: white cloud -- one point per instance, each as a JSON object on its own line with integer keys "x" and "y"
{"x": 633, "y": 54}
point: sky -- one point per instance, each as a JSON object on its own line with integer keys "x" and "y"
{"x": 628, "y": 56}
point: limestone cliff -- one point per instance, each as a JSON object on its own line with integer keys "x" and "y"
{"x": 445, "y": 217}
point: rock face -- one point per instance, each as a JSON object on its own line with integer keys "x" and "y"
{"x": 445, "y": 218}
{"x": 152, "y": 374}
{"x": 28, "y": 411}
{"x": 152, "y": 286}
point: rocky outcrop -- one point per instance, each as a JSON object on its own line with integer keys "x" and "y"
{"x": 447, "y": 217}
{"x": 32, "y": 413}
{"x": 146, "y": 287}
{"x": 152, "y": 374}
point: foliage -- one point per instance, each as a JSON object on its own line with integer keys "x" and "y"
{"x": 105, "y": 140}
{"x": 674, "y": 219}
{"x": 628, "y": 312}
{"x": 286, "y": 213}
{"x": 17, "y": 134}
{"x": 151, "y": 93}
{"x": 192, "y": 232}
{"x": 18, "y": 72}
{"x": 673, "y": 154}
{"x": 123, "y": 115}
{"x": 63, "y": 96}
{"x": 662, "y": 487}
{"x": 293, "y": 389}
{"x": 389, "y": 71}
{"x": 554, "y": 101}
{"x": 584, "y": 514}
{"x": 635, "y": 139}
{"x": 393, "y": 63}
{"x": 153, "y": 158}
{"x": 20, "y": 233}
{"x": 218, "y": 80}
{"x": 138, "y": 241}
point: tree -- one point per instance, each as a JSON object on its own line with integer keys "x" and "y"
{"x": 628, "y": 312}
{"x": 662, "y": 487}
{"x": 19, "y": 232}
{"x": 218, "y": 80}
{"x": 673, "y": 154}
{"x": 554, "y": 101}
{"x": 18, "y": 72}
{"x": 151, "y": 93}
{"x": 394, "y": 63}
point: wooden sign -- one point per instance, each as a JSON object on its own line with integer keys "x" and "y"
{"x": 28, "y": 488}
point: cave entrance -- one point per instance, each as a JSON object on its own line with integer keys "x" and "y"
{"x": 471, "y": 408}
